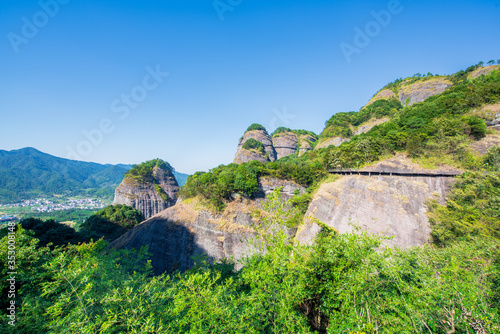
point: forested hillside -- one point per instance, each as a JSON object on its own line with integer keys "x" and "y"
{"x": 28, "y": 173}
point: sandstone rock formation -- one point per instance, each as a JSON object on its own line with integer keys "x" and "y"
{"x": 145, "y": 196}
{"x": 285, "y": 143}
{"x": 386, "y": 205}
{"x": 305, "y": 143}
{"x": 187, "y": 229}
{"x": 244, "y": 155}
{"x": 421, "y": 90}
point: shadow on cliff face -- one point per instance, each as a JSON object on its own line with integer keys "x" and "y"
{"x": 172, "y": 246}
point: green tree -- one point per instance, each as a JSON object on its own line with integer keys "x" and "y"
{"x": 111, "y": 222}
{"x": 51, "y": 232}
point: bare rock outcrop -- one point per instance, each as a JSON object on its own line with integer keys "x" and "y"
{"x": 482, "y": 71}
{"x": 387, "y": 205}
{"x": 245, "y": 155}
{"x": 148, "y": 197}
{"x": 384, "y": 94}
{"x": 421, "y": 90}
{"x": 188, "y": 229}
{"x": 306, "y": 143}
{"x": 285, "y": 143}
{"x": 482, "y": 146}
{"x": 368, "y": 125}
{"x": 335, "y": 141}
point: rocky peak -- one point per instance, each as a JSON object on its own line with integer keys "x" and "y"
{"x": 150, "y": 187}
{"x": 282, "y": 143}
{"x": 256, "y": 144}
{"x": 285, "y": 143}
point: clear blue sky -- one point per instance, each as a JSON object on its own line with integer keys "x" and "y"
{"x": 265, "y": 58}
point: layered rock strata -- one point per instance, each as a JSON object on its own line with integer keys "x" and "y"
{"x": 285, "y": 144}
{"x": 151, "y": 197}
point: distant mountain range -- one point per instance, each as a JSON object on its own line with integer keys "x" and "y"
{"x": 28, "y": 173}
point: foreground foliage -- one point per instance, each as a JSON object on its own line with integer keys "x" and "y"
{"x": 111, "y": 222}
{"x": 341, "y": 284}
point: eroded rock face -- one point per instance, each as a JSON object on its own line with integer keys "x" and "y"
{"x": 285, "y": 144}
{"x": 387, "y": 205}
{"x": 144, "y": 196}
{"x": 243, "y": 155}
{"x": 305, "y": 143}
{"x": 385, "y": 94}
{"x": 185, "y": 230}
{"x": 421, "y": 90}
{"x": 368, "y": 125}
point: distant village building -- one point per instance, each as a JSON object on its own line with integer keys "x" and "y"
{"x": 6, "y": 219}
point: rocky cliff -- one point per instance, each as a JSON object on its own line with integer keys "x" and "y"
{"x": 244, "y": 154}
{"x": 285, "y": 143}
{"x": 188, "y": 229}
{"x": 150, "y": 196}
{"x": 410, "y": 92}
{"x": 419, "y": 91}
{"x": 393, "y": 206}
{"x": 281, "y": 144}
{"x": 306, "y": 143}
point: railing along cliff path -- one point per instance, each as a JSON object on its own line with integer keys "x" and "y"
{"x": 391, "y": 173}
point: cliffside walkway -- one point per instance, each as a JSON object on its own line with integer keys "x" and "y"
{"x": 389, "y": 173}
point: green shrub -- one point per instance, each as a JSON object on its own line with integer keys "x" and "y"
{"x": 161, "y": 192}
{"x": 282, "y": 129}
{"x": 143, "y": 172}
{"x": 111, "y": 222}
{"x": 472, "y": 209}
{"x": 51, "y": 232}
{"x": 256, "y": 126}
{"x": 217, "y": 185}
{"x": 252, "y": 144}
